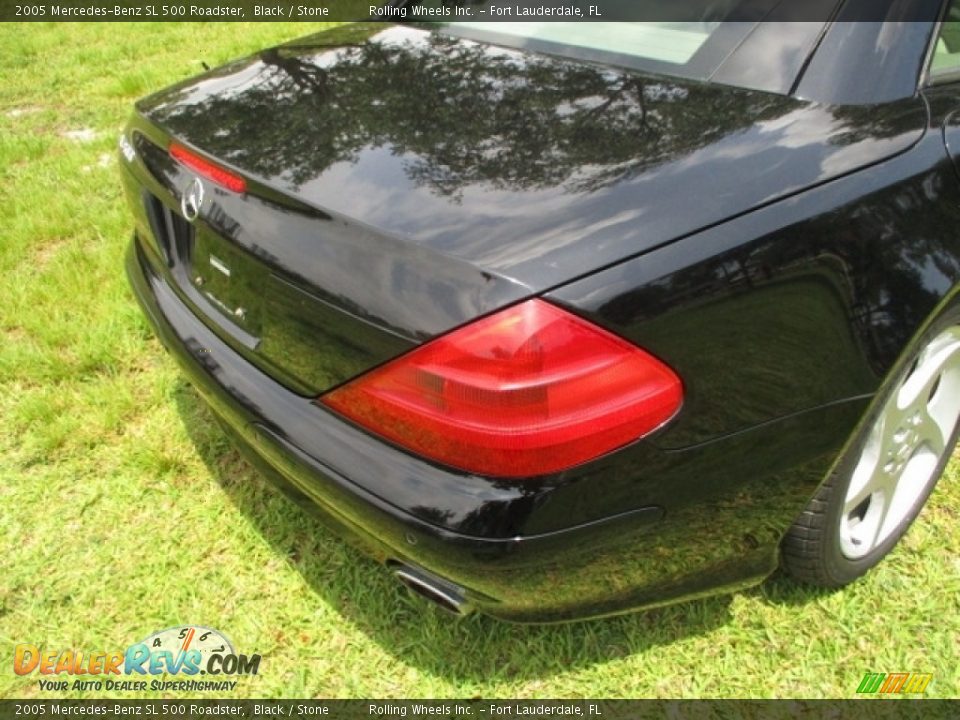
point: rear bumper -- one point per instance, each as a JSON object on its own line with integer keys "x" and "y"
{"x": 365, "y": 490}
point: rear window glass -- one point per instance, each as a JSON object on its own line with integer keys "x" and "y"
{"x": 667, "y": 42}
{"x": 693, "y": 39}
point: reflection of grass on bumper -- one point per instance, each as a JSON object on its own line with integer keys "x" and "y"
{"x": 125, "y": 510}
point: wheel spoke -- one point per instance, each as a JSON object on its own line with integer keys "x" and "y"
{"x": 885, "y": 487}
{"x": 913, "y": 390}
{"x": 879, "y": 523}
{"x": 930, "y": 432}
{"x": 934, "y": 361}
{"x": 911, "y": 485}
{"x": 864, "y": 475}
{"x": 856, "y": 499}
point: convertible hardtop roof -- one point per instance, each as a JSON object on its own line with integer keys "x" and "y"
{"x": 838, "y": 52}
{"x": 861, "y": 52}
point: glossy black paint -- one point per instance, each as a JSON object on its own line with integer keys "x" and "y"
{"x": 531, "y": 168}
{"x": 777, "y": 253}
{"x": 511, "y": 545}
{"x": 873, "y": 52}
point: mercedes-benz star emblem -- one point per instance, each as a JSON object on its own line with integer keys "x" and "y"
{"x": 192, "y": 200}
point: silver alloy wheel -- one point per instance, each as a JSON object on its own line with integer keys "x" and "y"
{"x": 898, "y": 464}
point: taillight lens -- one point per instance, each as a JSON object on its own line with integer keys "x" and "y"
{"x": 207, "y": 169}
{"x": 528, "y": 391}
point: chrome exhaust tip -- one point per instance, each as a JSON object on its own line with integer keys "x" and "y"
{"x": 443, "y": 594}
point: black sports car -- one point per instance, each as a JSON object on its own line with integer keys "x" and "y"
{"x": 565, "y": 319}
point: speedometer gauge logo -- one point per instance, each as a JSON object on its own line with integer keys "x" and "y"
{"x": 191, "y": 650}
{"x": 195, "y": 641}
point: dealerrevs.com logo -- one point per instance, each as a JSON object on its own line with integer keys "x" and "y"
{"x": 188, "y": 651}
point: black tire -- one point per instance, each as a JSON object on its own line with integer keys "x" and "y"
{"x": 811, "y": 550}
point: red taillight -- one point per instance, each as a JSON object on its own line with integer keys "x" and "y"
{"x": 528, "y": 391}
{"x": 207, "y": 169}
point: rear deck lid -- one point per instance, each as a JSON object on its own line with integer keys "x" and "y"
{"x": 402, "y": 182}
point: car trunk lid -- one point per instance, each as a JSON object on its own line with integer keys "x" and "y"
{"x": 402, "y": 183}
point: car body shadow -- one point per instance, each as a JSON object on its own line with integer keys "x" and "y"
{"x": 364, "y": 593}
{"x": 779, "y": 589}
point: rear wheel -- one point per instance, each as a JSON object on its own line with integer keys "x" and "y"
{"x": 879, "y": 486}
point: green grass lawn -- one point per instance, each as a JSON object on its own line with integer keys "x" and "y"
{"x": 124, "y": 510}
